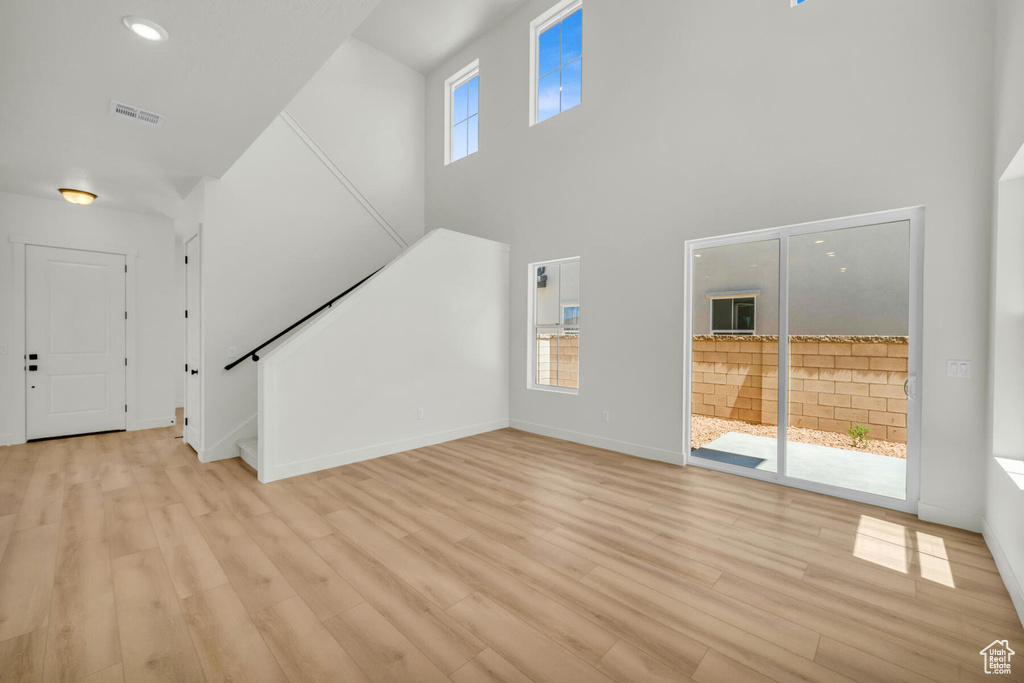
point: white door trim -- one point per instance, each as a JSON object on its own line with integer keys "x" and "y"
{"x": 915, "y": 216}
{"x": 18, "y": 347}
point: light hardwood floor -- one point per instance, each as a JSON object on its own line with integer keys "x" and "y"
{"x": 502, "y": 557}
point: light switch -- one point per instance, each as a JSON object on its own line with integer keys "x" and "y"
{"x": 3, "y": 349}
{"x": 958, "y": 368}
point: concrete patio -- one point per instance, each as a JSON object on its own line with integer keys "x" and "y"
{"x": 865, "y": 472}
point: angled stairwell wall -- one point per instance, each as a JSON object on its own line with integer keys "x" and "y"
{"x": 312, "y": 207}
{"x": 428, "y": 332}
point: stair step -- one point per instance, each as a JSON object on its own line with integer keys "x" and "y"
{"x": 249, "y": 450}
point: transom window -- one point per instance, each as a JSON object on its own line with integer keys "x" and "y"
{"x": 555, "y": 325}
{"x": 557, "y": 60}
{"x": 733, "y": 315}
{"x": 462, "y": 108}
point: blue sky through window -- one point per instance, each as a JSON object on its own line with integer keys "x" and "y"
{"x": 466, "y": 119}
{"x": 560, "y": 66}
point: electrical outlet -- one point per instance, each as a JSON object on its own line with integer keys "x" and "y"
{"x": 3, "y": 349}
{"x": 605, "y": 417}
{"x": 419, "y": 414}
{"x": 958, "y": 368}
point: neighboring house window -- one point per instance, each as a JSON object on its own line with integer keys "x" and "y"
{"x": 462, "y": 113}
{"x": 556, "y": 58}
{"x": 555, "y": 325}
{"x": 733, "y": 315}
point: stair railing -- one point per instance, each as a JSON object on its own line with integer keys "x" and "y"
{"x": 254, "y": 354}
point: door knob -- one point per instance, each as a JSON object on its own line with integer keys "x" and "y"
{"x": 195, "y": 372}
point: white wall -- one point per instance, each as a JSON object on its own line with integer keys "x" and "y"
{"x": 1004, "y": 502}
{"x": 429, "y": 332}
{"x": 56, "y": 222}
{"x": 706, "y": 118}
{"x": 282, "y": 234}
{"x": 366, "y": 111}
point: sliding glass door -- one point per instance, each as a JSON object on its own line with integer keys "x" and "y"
{"x": 803, "y": 349}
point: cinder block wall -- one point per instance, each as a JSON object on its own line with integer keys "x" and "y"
{"x": 834, "y": 382}
{"x": 561, "y": 354}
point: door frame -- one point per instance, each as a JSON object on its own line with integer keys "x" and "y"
{"x": 19, "y": 243}
{"x": 915, "y": 216}
{"x": 198, "y": 315}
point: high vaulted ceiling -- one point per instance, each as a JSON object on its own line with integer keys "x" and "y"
{"x": 229, "y": 67}
{"x": 422, "y": 33}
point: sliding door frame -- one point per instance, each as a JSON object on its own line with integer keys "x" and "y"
{"x": 915, "y": 217}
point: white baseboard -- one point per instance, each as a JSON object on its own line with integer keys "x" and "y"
{"x": 7, "y": 440}
{"x": 227, "y": 447}
{"x": 626, "y": 447}
{"x": 370, "y": 452}
{"x": 154, "y": 423}
{"x": 950, "y": 517}
{"x": 1013, "y": 585}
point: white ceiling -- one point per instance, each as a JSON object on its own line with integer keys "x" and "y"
{"x": 422, "y": 33}
{"x": 228, "y": 68}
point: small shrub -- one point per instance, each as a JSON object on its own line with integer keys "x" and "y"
{"x": 858, "y": 435}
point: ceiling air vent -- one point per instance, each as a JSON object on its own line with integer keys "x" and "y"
{"x": 126, "y": 111}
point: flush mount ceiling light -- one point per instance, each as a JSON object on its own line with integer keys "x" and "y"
{"x": 80, "y": 197}
{"x": 144, "y": 28}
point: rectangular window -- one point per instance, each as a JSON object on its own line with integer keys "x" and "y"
{"x": 462, "y": 113}
{"x": 556, "y": 57}
{"x": 733, "y": 315}
{"x": 555, "y": 325}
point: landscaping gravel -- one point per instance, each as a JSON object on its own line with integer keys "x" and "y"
{"x": 707, "y": 429}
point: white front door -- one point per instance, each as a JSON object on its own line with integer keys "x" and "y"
{"x": 74, "y": 342}
{"x": 193, "y": 341}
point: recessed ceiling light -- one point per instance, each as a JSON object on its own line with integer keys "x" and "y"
{"x": 696, "y": 256}
{"x": 842, "y": 270}
{"x": 80, "y": 197}
{"x": 819, "y": 241}
{"x": 831, "y": 254}
{"x": 144, "y": 28}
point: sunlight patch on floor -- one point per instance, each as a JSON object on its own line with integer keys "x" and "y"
{"x": 891, "y": 546}
{"x": 882, "y": 543}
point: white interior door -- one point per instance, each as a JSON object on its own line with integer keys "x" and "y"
{"x": 74, "y": 342}
{"x": 193, "y": 341}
